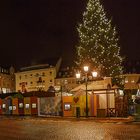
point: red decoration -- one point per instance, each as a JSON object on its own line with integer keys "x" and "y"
{"x": 76, "y": 99}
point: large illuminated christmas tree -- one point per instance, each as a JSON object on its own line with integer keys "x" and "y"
{"x": 98, "y": 42}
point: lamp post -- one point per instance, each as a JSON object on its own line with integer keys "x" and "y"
{"x": 78, "y": 75}
{"x": 86, "y": 78}
{"x": 61, "y": 101}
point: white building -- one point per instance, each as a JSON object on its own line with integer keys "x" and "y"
{"x": 36, "y": 77}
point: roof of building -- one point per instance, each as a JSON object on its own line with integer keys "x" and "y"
{"x": 95, "y": 85}
{"x": 39, "y": 94}
{"x": 2, "y": 96}
{"x": 35, "y": 67}
{"x": 41, "y": 64}
{"x": 131, "y": 66}
{"x": 28, "y": 94}
{"x": 4, "y": 70}
{"x": 66, "y": 72}
{"x": 138, "y": 82}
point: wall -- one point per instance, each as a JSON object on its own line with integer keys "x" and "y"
{"x": 28, "y": 80}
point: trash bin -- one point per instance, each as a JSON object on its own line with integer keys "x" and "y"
{"x": 132, "y": 109}
{"x": 137, "y": 115}
{"x": 77, "y": 112}
{"x": 101, "y": 113}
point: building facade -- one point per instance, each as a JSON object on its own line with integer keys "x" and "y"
{"x": 131, "y": 81}
{"x": 36, "y": 77}
{"x": 66, "y": 83}
{"x": 132, "y": 66}
{"x": 65, "y": 79}
{"x": 7, "y": 80}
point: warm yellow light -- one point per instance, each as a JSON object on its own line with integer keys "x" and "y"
{"x": 94, "y": 73}
{"x": 86, "y": 68}
{"x": 78, "y": 75}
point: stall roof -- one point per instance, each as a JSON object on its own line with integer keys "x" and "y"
{"x": 95, "y": 85}
{"x": 29, "y": 94}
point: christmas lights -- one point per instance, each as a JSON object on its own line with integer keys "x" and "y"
{"x": 98, "y": 42}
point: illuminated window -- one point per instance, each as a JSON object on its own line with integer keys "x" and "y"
{"x": 14, "y": 107}
{"x": 20, "y": 105}
{"x": 121, "y": 92}
{"x": 66, "y": 82}
{"x": 67, "y": 106}
{"x": 34, "y": 105}
{"x": 27, "y": 106}
{"x": 4, "y": 90}
{"x": 126, "y": 80}
{"x": 3, "y": 105}
{"x": 10, "y": 107}
{"x": 133, "y": 81}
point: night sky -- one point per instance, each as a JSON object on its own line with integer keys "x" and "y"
{"x": 37, "y": 29}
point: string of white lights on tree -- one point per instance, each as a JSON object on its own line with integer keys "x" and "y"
{"x": 98, "y": 41}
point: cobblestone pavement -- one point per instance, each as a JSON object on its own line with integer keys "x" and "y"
{"x": 47, "y": 129}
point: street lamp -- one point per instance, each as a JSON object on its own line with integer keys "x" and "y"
{"x": 78, "y": 75}
{"x": 61, "y": 88}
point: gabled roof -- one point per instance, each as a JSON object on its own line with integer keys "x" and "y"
{"x": 95, "y": 85}
{"x": 41, "y": 64}
{"x": 138, "y": 82}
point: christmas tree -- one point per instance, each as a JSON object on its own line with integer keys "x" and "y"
{"x": 98, "y": 42}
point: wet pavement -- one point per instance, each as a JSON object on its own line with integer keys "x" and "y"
{"x": 66, "y": 129}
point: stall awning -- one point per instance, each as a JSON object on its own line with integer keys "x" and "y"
{"x": 95, "y": 85}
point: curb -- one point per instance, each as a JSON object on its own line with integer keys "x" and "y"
{"x": 57, "y": 118}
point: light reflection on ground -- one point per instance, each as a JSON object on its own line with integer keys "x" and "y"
{"x": 43, "y": 129}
